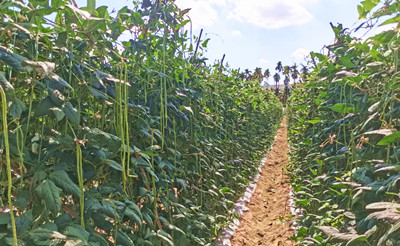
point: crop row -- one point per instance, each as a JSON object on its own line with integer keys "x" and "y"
{"x": 120, "y": 143}
{"x": 344, "y": 139}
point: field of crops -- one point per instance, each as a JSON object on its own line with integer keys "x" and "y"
{"x": 142, "y": 142}
{"x": 344, "y": 139}
{"x": 120, "y": 143}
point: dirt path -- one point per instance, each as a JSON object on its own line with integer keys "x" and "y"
{"x": 261, "y": 224}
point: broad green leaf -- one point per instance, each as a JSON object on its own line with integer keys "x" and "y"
{"x": 346, "y": 61}
{"x": 365, "y": 8}
{"x": 389, "y": 138}
{"x": 4, "y": 218}
{"x": 58, "y": 113}
{"x": 115, "y": 165}
{"x": 175, "y": 228}
{"x": 24, "y": 221}
{"x": 76, "y": 231}
{"x": 395, "y": 19}
{"x": 56, "y": 82}
{"x": 62, "y": 180}
{"x": 16, "y": 108}
{"x": 91, "y": 5}
{"x": 314, "y": 121}
{"x": 71, "y": 113}
{"x": 43, "y": 236}
{"x": 63, "y": 221}
{"x": 4, "y": 81}
{"x": 342, "y": 108}
{"x": 44, "y": 107}
{"x": 135, "y": 208}
{"x": 226, "y": 190}
{"x": 50, "y": 193}
{"x": 384, "y": 37}
{"x": 124, "y": 239}
{"x": 23, "y": 198}
{"x": 94, "y": 237}
{"x": 133, "y": 216}
{"x": 58, "y": 3}
{"x": 12, "y": 59}
{"x": 320, "y": 57}
{"x": 161, "y": 237}
{"x": 43, "y": 3}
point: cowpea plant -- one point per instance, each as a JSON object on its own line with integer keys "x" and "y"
{"x": 106, "y": 142}
{"x": 344, "y": 139}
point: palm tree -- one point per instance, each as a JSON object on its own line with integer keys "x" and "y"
{"x": 294, "y": 73}
{"x": 258, "y": 74}
{"x": 267, "y": 73}
{"x": 279, "y": 67}
{"x": 286, "y": 70}
{"x": 304, "y": 72}
{"x": 277, "y": 78}
{"x": 247, "y": 73}
{"x": 286, "y": 80}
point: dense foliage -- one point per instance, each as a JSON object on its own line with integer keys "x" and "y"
{"x": 120, "y": 143}
{"x": 344, "y": 134}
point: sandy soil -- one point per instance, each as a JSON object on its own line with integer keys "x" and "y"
{"x": 261, "y": 224}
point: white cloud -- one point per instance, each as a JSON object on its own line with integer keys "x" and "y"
{"x": 300, "y": 54}
{"x": 271, "y": 14}
{"x": 263, "y": 63}
{"x": 202, "y": 13}
{"x": 236, "y": 33}
{"x": 216, "y": 2}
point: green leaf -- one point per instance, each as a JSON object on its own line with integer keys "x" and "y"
{"x": 4, "y": 218}
{"x": 71, "y": 113}
{"x": 42, "y": 236}
{"x": 160, "y": 237}
{"x": 175, "y": 228}
{"x": 94, "y": 237}
{"x": 4, "y": 81}
{"x": 115, "y": 165}
{"x": 342, "y": 108}
{"x": 366, "y": 7}
{"x": 91, "y": 5}
{"x": 24, "y": 221}
{"x": 50, "y": 193}
{"x": 226, "y": 190}
{"x": 395, "y": 19}
{"x": 358, "y": 241}
{"x": 56, "y": 82}
{"x": 16, "y": 108}
{"x": 58, "y": 113}
{"x": 124, "y": 239}
{"x": 346, "y": 61}
{"x": 133, "y": 216}
{"x": 62, "y": 180}
{"x": 23, "y": 198}
{"x": 13, "y": 60}
{"x": 314, "y": 121}
{"x": 58, "y": 3}
{"x": 76, "y": 231}
{"x": 44, "y": 107}
{"x": 135, "y": 208}
{"x": 389, "y": 138}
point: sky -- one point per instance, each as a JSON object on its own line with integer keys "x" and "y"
{"x": 259, "y": 33}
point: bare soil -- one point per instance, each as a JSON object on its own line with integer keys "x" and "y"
{"x": 262, "y": 223}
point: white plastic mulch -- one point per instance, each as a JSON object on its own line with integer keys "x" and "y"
{"x": 241, "y": 206}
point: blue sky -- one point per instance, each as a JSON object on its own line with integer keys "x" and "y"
{"x": 259, "y": 33}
